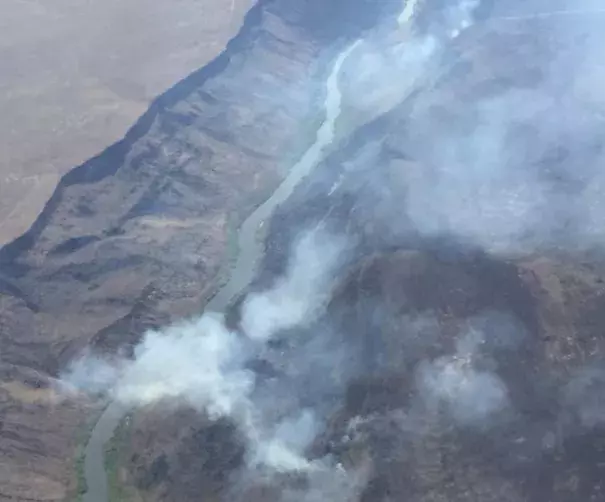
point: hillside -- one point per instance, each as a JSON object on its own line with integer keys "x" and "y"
{"x": 435, "y": 332}
{"x": 136, "y": 236}
{"x": 76, "y": 75}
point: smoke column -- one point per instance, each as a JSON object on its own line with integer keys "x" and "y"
{"x": 202, "y": 364}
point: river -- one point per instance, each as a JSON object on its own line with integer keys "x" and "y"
{"x": 249, "y": 253}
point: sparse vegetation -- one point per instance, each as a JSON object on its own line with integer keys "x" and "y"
{"x": 118, "y": 488}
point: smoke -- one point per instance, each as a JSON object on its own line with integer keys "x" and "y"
{"x": 202, "y": 364}
{"x": 492, "y": 210}
{"x": 482, "y": 179}
{"x": 446, "y": 20}
{"x": 298, "y": 297}
{"x": 90, "y": 373}
{"x": 282, "y": 449}
{"x": 468, "y": 394}
{"x": 461, "y": 16}
{"x": 502, "y": 147}
{"x": 484, "y": 186}
{"x": 388, "y": 66}
{"x": 516, "y": 168}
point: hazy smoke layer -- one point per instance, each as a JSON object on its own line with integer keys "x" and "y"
{"x": 519, "y": 166}
{"x": 388, "y": 66}
{"x": 504, "y": 145}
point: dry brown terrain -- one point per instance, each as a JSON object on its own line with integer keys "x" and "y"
{"x": 459, "y": 356}
{"x": 77, "y": 74}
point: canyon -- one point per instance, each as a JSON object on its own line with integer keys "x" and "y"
{"x": 457, "y": 354}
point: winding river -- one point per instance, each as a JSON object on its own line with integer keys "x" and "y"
{"x": 250, "y": 252}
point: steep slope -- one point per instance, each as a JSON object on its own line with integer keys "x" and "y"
{"x": 470, "y": 307}
{"x": 460, "y": 353}
{"x": 62, "y": 101}
{"x": 137, "y": 236}
{"x": 462, "y": 389}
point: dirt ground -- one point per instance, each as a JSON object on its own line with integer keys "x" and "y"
{"x": 75, "y": 74}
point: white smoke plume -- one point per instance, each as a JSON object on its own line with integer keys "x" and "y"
{"x": 89, "y": 373}
{"x": 199, "y": 362}
{"x": 468, "y": 394}
{"x": 282, "y": 447}
{"x": 298, "y": 297}
{"x": 202, "y": 364}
